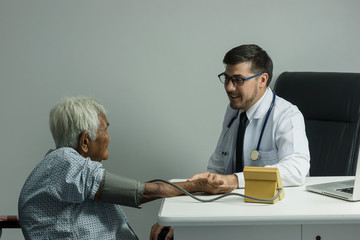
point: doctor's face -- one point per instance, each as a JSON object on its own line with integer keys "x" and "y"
{"x": 243, "y": 97}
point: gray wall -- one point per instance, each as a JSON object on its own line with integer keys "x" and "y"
{"x": 154, "y": 66}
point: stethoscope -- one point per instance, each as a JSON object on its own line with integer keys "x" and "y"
{"x": 255, "y": 154}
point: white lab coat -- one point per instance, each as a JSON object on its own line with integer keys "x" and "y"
{"x": 284, "y": 143}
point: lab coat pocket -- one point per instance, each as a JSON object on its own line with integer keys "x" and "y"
{"x": 217, "y": 162}
{"x": 219, "y": 159}
{"x": 223, "y": 147}
{"x": 269, "y": 157}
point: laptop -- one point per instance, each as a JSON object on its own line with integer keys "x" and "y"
{"x": 346, "y": 190}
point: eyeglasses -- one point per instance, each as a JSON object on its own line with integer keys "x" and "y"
{"x": 236, "y": 79}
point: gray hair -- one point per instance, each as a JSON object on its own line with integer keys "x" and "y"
{"x": 72, "y": 116}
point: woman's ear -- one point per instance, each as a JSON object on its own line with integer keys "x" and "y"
{"x": 83, "y": 144}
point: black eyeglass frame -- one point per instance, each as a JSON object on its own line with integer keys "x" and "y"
{"x": 236, "y": 79}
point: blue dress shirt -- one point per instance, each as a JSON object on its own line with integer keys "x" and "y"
{"x": 57, "y": 201}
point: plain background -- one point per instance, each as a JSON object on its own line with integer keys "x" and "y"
{"x": 153, "y": 65}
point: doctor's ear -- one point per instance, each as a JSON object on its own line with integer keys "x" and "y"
{"x": 263, "y": 79}
{"x": 83, "y": 144}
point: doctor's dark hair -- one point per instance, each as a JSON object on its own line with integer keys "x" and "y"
{"x": 259, "y": 59}
{"x": 73, "y": 116}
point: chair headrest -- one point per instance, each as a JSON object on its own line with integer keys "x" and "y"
{"x": 331, "y": 96}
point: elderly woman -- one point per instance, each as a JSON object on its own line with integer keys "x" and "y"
{"x": 69, "y": 195}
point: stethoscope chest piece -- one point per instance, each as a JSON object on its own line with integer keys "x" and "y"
{"x": 255, "y": 155}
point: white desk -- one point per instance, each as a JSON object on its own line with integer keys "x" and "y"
{"x": 301, "y": 215}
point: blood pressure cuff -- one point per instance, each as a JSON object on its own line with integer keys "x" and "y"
{"x": 121, "y": 190}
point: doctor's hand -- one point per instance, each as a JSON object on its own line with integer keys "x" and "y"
{"x": 227, "y": 179}
{"x": 156, "y": 230}
{"x": 212, "y": 186}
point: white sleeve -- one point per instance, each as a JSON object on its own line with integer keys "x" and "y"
{"x": 293, "y": 169}
{"x": 241, "y": 180}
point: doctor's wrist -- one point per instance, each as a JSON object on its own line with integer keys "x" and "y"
{"x": 232, "y": 179}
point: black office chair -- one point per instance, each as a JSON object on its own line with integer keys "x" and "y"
{"x": 330, "y": 103}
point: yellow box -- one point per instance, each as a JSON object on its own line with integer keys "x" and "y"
{"x": 262, "y": 182}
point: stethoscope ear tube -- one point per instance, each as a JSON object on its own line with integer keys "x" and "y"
{"x": 233, "y": 119}
{"x": 255, "y": 155}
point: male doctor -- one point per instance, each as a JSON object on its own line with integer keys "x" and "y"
{"x": 283, "y": 144}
